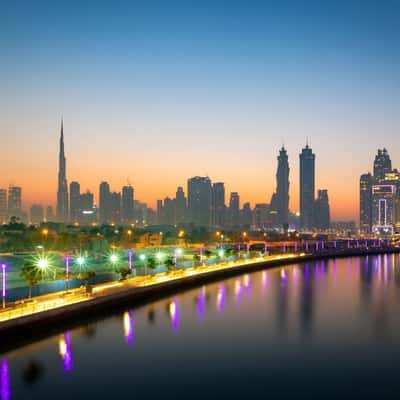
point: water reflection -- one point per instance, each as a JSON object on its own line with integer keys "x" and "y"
{"x": 64, "y": 349}
{"x": 238, "y": 290}
{"x": 128, "y": 327}
{"x": 221, "y": 295}
{"x": 5, "y": 389}
{"x": 174, "y": 314}
{"x": 201, "y": 303}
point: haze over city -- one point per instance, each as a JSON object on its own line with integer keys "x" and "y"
{"x": 153, "y": 93}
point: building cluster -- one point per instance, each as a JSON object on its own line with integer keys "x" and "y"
{"x": 204, "y": 204}
{"x": 380, "y": 198}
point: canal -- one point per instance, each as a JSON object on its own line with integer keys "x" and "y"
{"x": 325, "y": 328}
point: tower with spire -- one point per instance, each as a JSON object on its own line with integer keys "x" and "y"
{"x": 62, "y": 192}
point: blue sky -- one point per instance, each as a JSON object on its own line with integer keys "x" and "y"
{"x": 156, "y": 91}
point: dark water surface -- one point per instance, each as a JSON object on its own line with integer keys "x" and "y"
{"x": 324, "y": 329}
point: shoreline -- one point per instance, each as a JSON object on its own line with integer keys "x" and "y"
{"x": 13, "y": 332}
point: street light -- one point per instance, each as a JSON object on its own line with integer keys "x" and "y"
{"x": 159, "y": 256}
{"x": 3, "y": 268}
{"x": 81, "y": 261}
{"x": 142, "y": 257}
{"x": 66, "y": 272}
{"x": 113, "y": 258}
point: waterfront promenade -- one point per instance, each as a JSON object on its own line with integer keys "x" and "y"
{"x": 48, "y": 310}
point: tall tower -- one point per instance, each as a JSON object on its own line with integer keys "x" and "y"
{"x": 382, "y": 165}
{"x": 366, "y": 182}
{"x": 199, "y": 200}
{"x": 307, "y": 187}
{"x": 282, "y": 187}
{"x": 62, "y": 193}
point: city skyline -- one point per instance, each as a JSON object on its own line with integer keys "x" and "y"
{"x": 63, "y": 179}
{"x": 135, "y": 88}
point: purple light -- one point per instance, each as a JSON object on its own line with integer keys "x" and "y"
{"x": 334, "y": 244}
{"x": 247, "y": 283}
{"x": 306, "y": 245}
{"x": 295, "y": 247}
{"x": 316, "y": 246}
{"x": 66, "y": 352}
{"x": 5, "y": 389}
{"x": 129, "y": 327}
{"x": 284, "y": 248}
{"x": 3, "y": 267}
{"x": 66, "y": 272}
{"x": 265, "y": 248}
{"x": 130, "y": 254}
{"x": 174, "y": 314}
{"x": 221, "y": 298}
{"x": 201, "y": 304}
{"x": 238, "y": 291}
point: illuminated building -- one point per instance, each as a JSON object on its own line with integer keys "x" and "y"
{"x": 261, "y": 216}
{"x": 307, "y": 187}
{"x": 382, "y": 165}
{"x": 62, "y": 192}
{"x": 104, "y": 203}
{"x": 199, "y": 200}
{"x": 384, "y": 199}
{"x": 366, "y": 182}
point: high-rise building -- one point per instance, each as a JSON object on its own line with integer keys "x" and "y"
{"x": 280, "y": 202}
{"x": 382, "y": 165}
{"x": 246, "y": 216}
{"x": 15, "y": 202}
{"x": 169, "y": 211}
{"x": 322, "y": 217}
{"x": 261, "y": 215}
{"x": 62, "y": 193}
{"x": 160, "y": 212}
{"x": 104, "y": 203}
{"x": 199, "y": 200}
{"x": 3, "y": 206}
{"x": 366, "y": 182}
{"x": 307, "y": 187}
{"x": 87, "y": 209}
{"x": 234, "y": 209}
{"x": 36, "y": 214}
{"x": 384, "y": 199}
{"x": 115, "y": 207}
{"x": 74, "y": 201}
{"x": 180, "y": 206}
{"x": 127, "y": 205}
{"x": 218, "y": 205}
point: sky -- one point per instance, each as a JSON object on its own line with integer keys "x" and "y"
{"x": 154, "y": 92}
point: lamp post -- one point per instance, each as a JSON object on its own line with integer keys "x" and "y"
{"x": 66, "y": 272}
{"x": 130, "y": 254}
{"x": 3, "y": 268}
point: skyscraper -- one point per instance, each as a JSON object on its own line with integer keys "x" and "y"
{"x": 199, "y": 200}
{"x": 104, "y": 202}
{"x": 36, "y": 214}
{"x": 180, "y": 206}
{"x": 322, "y": 217}
{"x": 14, "y": 202}
{"x": 74, "y": 201}
{"x": 62, "y": 193}
{"x": 382, "y": 165}
{"x": 115, "y": 207}
{"x": 234, "y": 209}
{"x": 366, "y": 181}
{"x": 384, "y": 199}
{"x": 127, "y": 205}
{"x": 218, "y": 204}
{"x": 3, "y": 206}
{"x": 307, "y": 187}
{"x": 280, "y": 199}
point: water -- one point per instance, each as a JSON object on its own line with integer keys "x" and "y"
{"x": 328, "y": 329}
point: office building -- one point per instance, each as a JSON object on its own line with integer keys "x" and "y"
{"x": 3, "y": 206}
{"x": 384, "y": 201}
{"x": 307, "y": 187}
{"x": 127, "y": 205}
{"x": 74, "y": 201}
{"x": 218, "y": 205}
{"x": 366, "y": 182}
{"x": 199, "y": 200}
{"x": 322, "y": 211}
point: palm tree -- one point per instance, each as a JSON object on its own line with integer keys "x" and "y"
{"x": 169, "y": 264}
{"x": 30, "y": 274}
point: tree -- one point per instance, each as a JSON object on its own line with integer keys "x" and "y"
{"x": 151, "y": 263}
{"x": 169, "y": 264}
{"x": 124, "y": 272}
{"x": 31, "y": 276}
{"x": 86, "y": 276}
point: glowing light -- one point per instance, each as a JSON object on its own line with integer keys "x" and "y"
{"x": 142, "y": 257}
{"x": 128, "y": 327}
{"x": 221, "y": 298}
{"x": 221, "y": 253}
{"x": 174, "y": 314}
{"x": 3, "y": 267}
{"x": 113, "y": 258}
{"x": 45, "y": 232}
{"x": 159, "y": 256}
{"x": 5, "y": 389}
{"x": 43, "y": 263}
{"x": 201, "y": 303}
{"x": 64, "y": 349}
{"x": 179, "y": 251}
{"x": 80, "y": 261}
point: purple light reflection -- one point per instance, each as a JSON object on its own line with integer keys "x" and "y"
{"x": 5, "y": 388}
{"x": 64, "y": 347}
{"x": 129, "y": 331}
{"x": 221, "y": 295}
{"x": 201, "y": 304}
{"x": 174, "y": 314}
